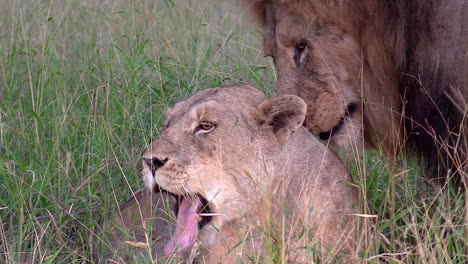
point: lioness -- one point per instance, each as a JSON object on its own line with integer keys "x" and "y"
{"x": 238, "y": 163}
{"x": 391, "y": 72}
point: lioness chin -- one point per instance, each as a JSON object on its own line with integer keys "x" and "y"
{"x": 243, "y": 168}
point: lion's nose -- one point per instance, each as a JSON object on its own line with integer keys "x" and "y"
{"x": 155, "y": 163}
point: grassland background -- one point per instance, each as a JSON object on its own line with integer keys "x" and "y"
{"x": 83, "y": 85}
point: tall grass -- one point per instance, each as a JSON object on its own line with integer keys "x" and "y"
{"x": 83, "y": 85}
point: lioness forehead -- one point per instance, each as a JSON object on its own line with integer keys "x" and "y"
{"x": 234, "y": 96}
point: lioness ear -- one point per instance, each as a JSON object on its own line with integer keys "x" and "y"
{"x": 282, "y": 114}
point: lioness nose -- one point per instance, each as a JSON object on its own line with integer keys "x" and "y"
{"x": 155, "y": 163}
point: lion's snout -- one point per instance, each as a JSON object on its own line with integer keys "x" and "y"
{"x": 155, "y": 163}
{"x": 150, "y": 165}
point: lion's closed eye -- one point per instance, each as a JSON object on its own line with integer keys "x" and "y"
{"x": 299, "y": 50}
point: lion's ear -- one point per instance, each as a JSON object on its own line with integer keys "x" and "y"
{"x": 282, "y": 114}
{"x": 257, "y": 10}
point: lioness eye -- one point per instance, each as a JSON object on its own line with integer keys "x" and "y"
{"x": 298, "y": 50}
{"x": 204, "y": 127}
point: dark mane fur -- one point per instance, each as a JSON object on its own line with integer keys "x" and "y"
{"x": 433, "y": 122}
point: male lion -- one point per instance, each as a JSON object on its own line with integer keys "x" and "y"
{"x": 242, "y": 167}
{"x": 392, "y": 72}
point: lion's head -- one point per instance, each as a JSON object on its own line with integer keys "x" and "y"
{"x": 319, "y": 58}
{"x": 224, "y": 150}
{"x": 390, "y": 74}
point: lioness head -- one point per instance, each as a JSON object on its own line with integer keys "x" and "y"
{"x": 210, "y": 143}
{"x": 225, "y": 150}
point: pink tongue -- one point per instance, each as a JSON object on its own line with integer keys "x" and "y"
{"x": 187, "y": 226}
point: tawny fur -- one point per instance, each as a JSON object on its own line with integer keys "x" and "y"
{"x": 260, "y": 170}
{"x": 402, "y": 63}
